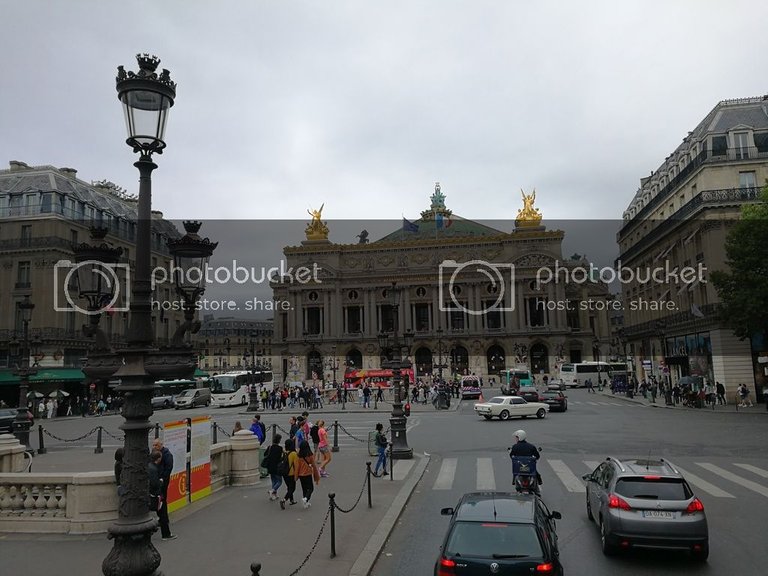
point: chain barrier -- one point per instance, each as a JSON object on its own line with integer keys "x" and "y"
{"x": 340, "y": 509}
{"x": 352, "y": 435}
{"x": 108, "y": 433}
{"x": 283, "y": 430}
{"x": 60, "y": 439}
{"x": 306, "y": 558}
{"x": 220, "y": 429}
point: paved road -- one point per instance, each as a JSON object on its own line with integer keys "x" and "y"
{"x": 723, "y": 455}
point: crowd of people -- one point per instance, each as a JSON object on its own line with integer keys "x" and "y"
{"x": 303, "y": 458}
{"x": 692, "y": 392}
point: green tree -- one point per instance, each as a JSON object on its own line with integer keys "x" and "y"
{"x": 743, "y": 288}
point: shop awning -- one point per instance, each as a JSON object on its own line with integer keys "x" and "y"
{"x": 45, "y": 375}
{"x": 200, "y": 373}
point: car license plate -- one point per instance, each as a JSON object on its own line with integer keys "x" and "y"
{"x": 658, "y": 514}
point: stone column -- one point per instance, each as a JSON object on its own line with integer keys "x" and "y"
{"x": 245, "y": 459}
{"x": 11, "y": 454}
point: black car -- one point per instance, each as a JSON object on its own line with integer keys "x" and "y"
{"x": 7, "y": 416}
{"x": 499, "y": 532}
{"x": 557, "y": 401}
{"x": 530, "y": 393}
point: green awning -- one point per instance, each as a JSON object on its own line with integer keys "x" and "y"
{"x": 200, "y": 373}
{"x": 46, "y": 375}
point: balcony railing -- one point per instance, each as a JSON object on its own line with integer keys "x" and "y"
{"x": 705, "y": 156}
{"x": 673, "y": 322}
{"x": 701, "y": 200}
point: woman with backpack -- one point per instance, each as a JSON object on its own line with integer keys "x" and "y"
{"x": 381, "y": 447}
{"x": 306, "y": 472}
{"x": 286, "y": 468}
{"x": 272, "y": 458}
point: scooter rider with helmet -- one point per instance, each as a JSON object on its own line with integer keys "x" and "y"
{"x": 525, "y": 449}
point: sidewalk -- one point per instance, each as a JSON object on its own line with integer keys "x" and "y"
{"x": 226, "y": 532}
{"x": 731, "y": 407}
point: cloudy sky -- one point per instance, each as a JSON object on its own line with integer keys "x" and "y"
{"x": 361, "y": 105}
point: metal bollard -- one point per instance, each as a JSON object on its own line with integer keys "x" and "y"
{"x": 98, "y": 449}
{"x": 368, "y": 479}
{"x": 41, "y": 442}
{"x": 255, "y": 569}
{"x": 157, "y": 430}
{"x": 274, "y": 431}
{"x": 215, "y": 432}
{"x": 332, "y": 505}
{"x": 335, "y": 447}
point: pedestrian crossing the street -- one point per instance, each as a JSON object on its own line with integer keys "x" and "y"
{"x": 484, "y": 473}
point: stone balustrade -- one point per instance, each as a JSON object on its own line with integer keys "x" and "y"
{"x": 87, "y": 502}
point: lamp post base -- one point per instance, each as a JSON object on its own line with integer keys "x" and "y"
{"x": 253, "y": 402}
{"x": 21, "y": 426}
{"x": 400, "y": 448}
{"x": 133, "y": 551}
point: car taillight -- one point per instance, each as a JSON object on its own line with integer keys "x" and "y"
{"x": 547, "y": 568}
{"x": 652, "y": 477}
{"x": 617, "y": 502}
{"x": 445, "y": 567}
{"x": 695, "y": 506}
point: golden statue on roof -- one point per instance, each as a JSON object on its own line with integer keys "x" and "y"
{"x": 528, "y": 215}
{"x": 316, "y": 229}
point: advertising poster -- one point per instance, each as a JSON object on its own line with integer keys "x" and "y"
{"x": 200, "y": 476}
{"x": 175, "y": 439}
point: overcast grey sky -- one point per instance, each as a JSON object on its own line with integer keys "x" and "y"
{"x": 283, "y": 105}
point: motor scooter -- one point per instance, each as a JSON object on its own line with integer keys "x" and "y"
{"x": 524, "y": 475}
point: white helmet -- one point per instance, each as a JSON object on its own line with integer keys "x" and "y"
{"x": 520, "y": 435}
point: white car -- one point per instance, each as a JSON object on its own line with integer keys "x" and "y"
{"x": 506, "y": 407}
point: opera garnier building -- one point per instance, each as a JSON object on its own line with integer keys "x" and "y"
{"x": 468, "y": 291}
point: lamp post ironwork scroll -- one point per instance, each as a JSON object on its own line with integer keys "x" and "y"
{"x": 395, "y": 362}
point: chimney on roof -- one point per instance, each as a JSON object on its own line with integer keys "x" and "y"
{"x": 157, "y": 214}
{"x": 16, "y": 165}
{"x": 70, "y": 172}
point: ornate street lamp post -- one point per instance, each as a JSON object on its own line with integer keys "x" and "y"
{"x": 147, "y": 97}
{"x": 332, "y": 364}
{"x": 398, "y": 420}
{"x": 253, "y": 390}
{"x": 21, "y": 423}
{"x": 440, "y": 351}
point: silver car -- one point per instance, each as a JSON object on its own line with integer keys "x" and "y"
{"x": 645, "y": 504}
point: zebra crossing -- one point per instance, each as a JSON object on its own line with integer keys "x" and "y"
{"x": 600, "y": 403}
{"x": 488, "y": 473}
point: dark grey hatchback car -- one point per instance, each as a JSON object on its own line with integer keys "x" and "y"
{"x": 646, "y": 504}
{"x": 499, "y": 533}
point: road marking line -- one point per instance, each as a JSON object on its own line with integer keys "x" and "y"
{"x": 604, "y": 403}
{"x": 591, "y": 464}
{"x": 571, "y": 482}
{"x": 593, "y": 403}
{"x": 755, "y": 469}
{"x": 699, "y": 482}
{"x": 485, "y": 477}
{"x": 754, "y": 486}
{"x": 444, "y": 480}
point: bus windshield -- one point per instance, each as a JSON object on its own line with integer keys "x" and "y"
{"x": 224, "y": 384}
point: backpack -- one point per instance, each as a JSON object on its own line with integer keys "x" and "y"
{"x": 283, "y": 467}
{"x": 315, "y": 434}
